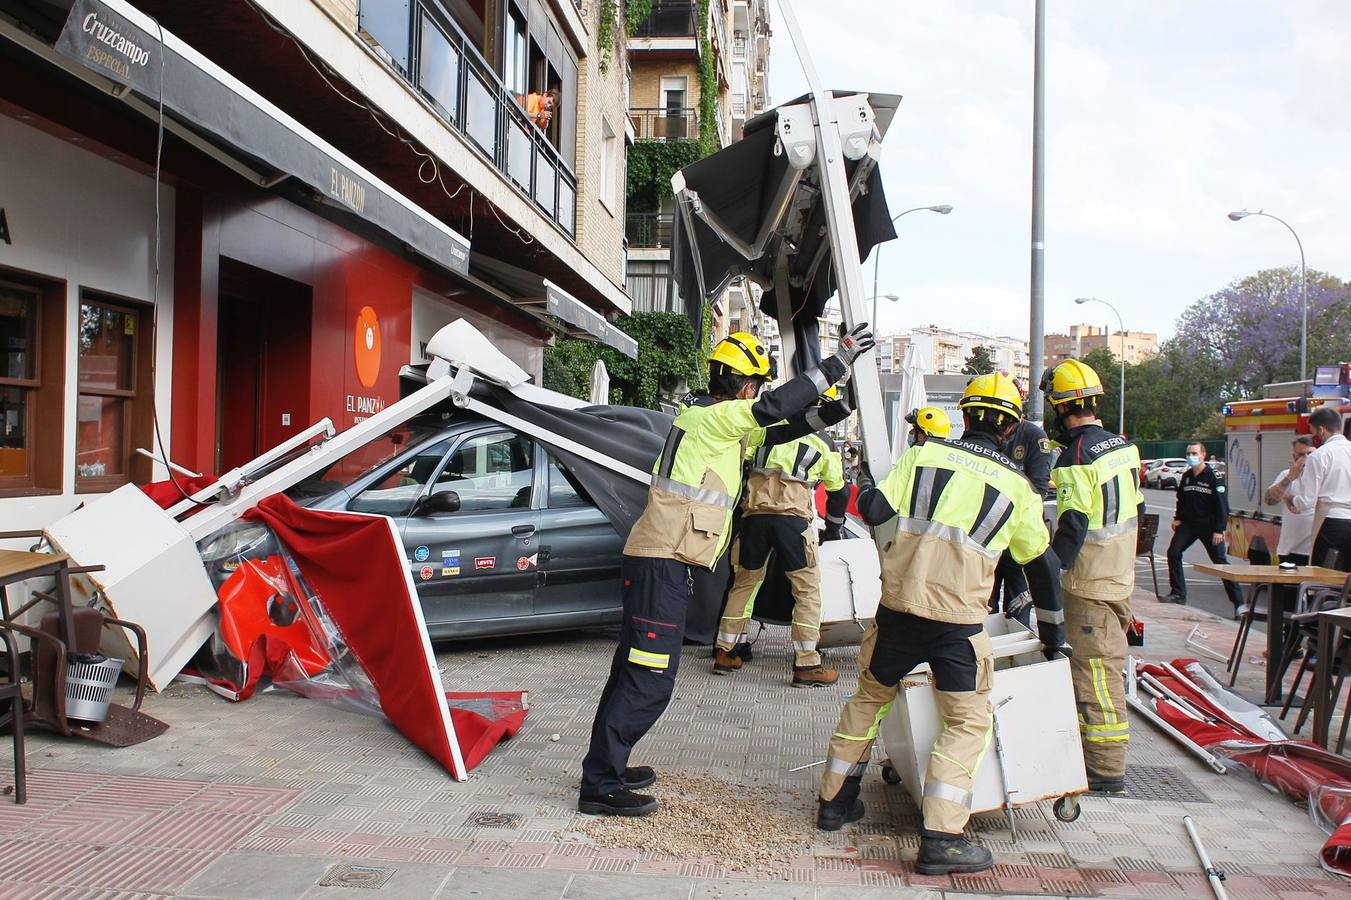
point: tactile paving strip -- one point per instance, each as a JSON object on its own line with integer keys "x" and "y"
{"x": 1165, "y": 784}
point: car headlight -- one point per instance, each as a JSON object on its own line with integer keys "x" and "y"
{"x": 232, "y": 542}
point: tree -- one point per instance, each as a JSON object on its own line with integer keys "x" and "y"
{"x": 1247, "y": 334}
{"x": 668, "y": 357}
{"x": 979, "y": 362}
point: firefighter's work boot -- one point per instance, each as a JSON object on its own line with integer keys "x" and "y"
{"x": 814, "y": 676}
{"x": 636, "y": 777}
{"x": 950, "y": 853}
{"x": 617, "y": 803}
{"x": 1106, "y": 784}
{"x": 832, "y": 815}
{"x": 725, "y": 663}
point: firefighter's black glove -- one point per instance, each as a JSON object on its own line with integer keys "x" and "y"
{"x": 854, "y": 344}
{"x": 864, "y": 478}
{"x": 1052, "y": 635}
{"x": 830, "y": 533}
{"x": 1018, "y": 605}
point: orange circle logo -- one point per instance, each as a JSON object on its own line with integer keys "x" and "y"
{"x": 367, "y": 346}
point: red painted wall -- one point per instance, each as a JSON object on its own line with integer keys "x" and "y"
{"x": 345, "y": 274}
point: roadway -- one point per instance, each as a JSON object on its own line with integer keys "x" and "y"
{"x": 1203, "y": 591}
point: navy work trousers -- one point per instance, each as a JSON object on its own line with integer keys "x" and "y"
{"x": 656, "y": 595}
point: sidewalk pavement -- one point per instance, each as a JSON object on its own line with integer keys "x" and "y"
{"x": 280, "y": 797}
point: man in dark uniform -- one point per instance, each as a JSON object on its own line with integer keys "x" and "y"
{"x": 1202, "y": 515}
{"x": 1030, "y": 451}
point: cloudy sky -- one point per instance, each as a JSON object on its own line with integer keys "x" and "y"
{"x": 1161, "y": 118}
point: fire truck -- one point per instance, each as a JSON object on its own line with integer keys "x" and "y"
{"x": 1258, "y": 434}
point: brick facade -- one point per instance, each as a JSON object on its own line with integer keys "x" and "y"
{"x": 601, "y": 102}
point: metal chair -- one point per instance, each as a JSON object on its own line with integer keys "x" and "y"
{"x": 1145, "y": 534}
{"x": 13, "y": 692}
{"x": 1304, "y": 630}
{"x": 1258, "y": 555}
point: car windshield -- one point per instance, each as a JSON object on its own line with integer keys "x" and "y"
{"x": 344, "y": 471}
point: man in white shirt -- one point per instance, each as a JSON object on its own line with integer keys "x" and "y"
{"x": 1296, "y": 527}
{"x": 1323, "y": 487}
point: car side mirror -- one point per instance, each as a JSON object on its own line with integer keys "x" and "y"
{"x": 442, "y": 503}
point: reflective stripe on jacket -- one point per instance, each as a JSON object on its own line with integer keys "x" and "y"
{"x": 1097, "y": 503}
{"x": 783, "y": 478}
{"x": 959, "y": 504}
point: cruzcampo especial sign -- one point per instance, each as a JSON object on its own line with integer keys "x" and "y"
{"x": 110, "y": 45}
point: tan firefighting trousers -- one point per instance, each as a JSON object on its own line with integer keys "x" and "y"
{"x": 956, "y": 755}
{"x": 1096, "y": 629}
{"x": 806, "y": 585}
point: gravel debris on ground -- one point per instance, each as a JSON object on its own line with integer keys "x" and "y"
{"x": 701, "y": 817}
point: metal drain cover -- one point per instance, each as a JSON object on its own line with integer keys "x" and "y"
{"x": 370, "y": 878}
{"x": 494, "y": 820}
{"x": 1163, "y": 783}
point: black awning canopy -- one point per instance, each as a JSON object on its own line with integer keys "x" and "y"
{"x": 744, "y": 211}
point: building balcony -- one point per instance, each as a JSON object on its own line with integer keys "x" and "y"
{"x": 665, "y": 123}
{"x": 671, "y": 30}
{"x": 649, "y": 231}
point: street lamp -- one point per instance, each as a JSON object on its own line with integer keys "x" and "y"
{"x": 1303, "y": 288}
{"x": 1121, "y": 403}
{"x": 892, "y": 297}
{"x": 942, "y": 209}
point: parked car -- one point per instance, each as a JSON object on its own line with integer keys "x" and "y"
{"x": 1169, "y": 474}
{"x": 1219, "y": 468}
{"x": 499, "y": 537}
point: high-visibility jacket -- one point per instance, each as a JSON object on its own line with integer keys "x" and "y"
{"x": 959, "y": 504}
{"x": 696, "y": 481}
{"x": 783, "y": 477}
{"x": 1098, "y": 500}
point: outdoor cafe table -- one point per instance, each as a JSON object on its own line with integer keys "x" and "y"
{"x": 1329, "y": 621}
{"x": 1243, "y": 573}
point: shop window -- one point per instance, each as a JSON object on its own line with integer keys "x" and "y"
{"x": 113, "y": 412}
{"x": 31, "y": 325}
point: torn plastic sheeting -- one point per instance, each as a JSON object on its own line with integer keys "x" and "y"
{"x": 1245, "y": 734}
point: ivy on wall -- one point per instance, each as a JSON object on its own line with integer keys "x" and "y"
{"x": 667, "y": 356}
{"x": 650, "y": 167}
{"x": 708, "y": 87}
{"x": 635, "y": 13}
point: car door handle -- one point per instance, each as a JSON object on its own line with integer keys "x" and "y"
{"x": 523, "y": 529}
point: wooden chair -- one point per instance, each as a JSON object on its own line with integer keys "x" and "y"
{"x": 1145, "y": 534}
{"x": 13, "y": 693}
{"x": 1258, "y": 555}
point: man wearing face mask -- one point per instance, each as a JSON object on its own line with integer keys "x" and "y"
{"x": 1202, "y": 515}
{"x": 1324, "y": 486}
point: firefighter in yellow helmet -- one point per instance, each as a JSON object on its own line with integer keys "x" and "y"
{"x": 687, "y": 523}
{"x": 1098, "y": 500}
{"x": 958, "y": 504}
{"x": 927, "y": 422}
{"x": 776, "y": 523}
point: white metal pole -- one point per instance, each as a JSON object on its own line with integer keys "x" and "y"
{"x": 1213, "y": 875}
{"x": 1036, "y": 343}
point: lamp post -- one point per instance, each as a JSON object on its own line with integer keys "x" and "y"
{"x": 1303, "y": 288}
{"x": 942, "y": 209}
{"x": 1121, "y": 403}
{"x": 892, "y": 297}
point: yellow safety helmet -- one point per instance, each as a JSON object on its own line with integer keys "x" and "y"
{"x": 741, "y": 354}
{"x": 1070, "y": 380}
{"x": 996, "y": 391}
{"x": 931, "y": 420}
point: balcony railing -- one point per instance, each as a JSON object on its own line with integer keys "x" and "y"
{"x": 649, "y": 231}
{"x": 466, "y": 92}
{"x": 739, "y": 45}
{"x": 665, "y": 124}
{"x": 670, "y": 18}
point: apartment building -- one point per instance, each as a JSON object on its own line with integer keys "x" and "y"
{"x": 1133, "y": 346}
{"x": 682, "y": 104}
{"x": 949, "y": 350}
{"x": 339, "y": 179}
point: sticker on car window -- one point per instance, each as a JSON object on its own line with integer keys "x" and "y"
{"x": 447, "y": 571}
{"x": 485, "y": 562}
{"x": 421, "y": 553}
{"x": 426, "y": 573}
{"x": 525, "y": 562}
